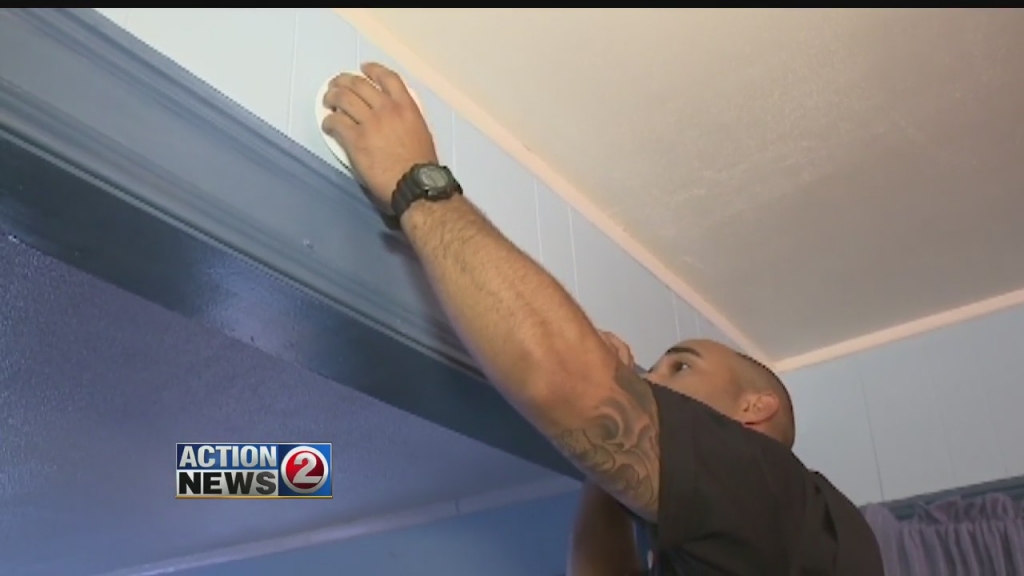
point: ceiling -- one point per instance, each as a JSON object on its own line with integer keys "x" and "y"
{"x": 815, "y": 175}
{"x": 97, "y": 387}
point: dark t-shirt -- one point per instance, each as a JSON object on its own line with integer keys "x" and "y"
{"x": 734, "y": 501}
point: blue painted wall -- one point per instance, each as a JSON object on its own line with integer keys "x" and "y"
{"x": 521, "y": 540}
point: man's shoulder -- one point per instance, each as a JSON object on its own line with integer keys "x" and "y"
{"x": 833, "y": 495}
{"x": 843, "y": 511}
{"x": 857, "y": 551}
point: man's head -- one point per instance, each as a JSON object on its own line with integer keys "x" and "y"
{"x": 732, "y": 383}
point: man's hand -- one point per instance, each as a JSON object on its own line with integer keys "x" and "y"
{"x": 620, "y": 348}
{"x": 381, "y": 129}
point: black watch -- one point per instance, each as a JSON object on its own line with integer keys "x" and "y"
{"x": 430, "y": 182}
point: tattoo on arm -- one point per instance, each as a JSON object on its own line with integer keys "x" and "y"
{"x": 617, "y": 444}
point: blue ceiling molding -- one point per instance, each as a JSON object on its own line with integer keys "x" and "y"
{"x": 116, "y": 160}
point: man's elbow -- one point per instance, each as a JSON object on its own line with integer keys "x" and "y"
{"x": 566, "y": 376}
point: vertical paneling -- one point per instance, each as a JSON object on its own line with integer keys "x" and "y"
{"x": 556, "y": 250}
{"x": 324, "y": 46}
{"x": 905, "y": 415}
{"x": 712, "y": 332}
{"x": 832, "y": 431}
{"x": 499, "y": 185}
{"x": 942, "y": 405}
{"x": 687, "y": 319}
{"x": 949, "y": 369}
{"x": 941, "y": 409}
{"x": 244, "y": 53}
{"x": 998, "y": 380}
{"x": 621, "y": 295}
{"x": 118, "y": 16}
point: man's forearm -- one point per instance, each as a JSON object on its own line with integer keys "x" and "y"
{"x": 519, "y": 323}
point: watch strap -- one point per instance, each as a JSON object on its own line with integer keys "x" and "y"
{"x": 405, "y": 194}
{"x": 409, "y": 190}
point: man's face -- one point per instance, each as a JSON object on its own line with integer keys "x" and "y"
{"x": 703, "y": 370}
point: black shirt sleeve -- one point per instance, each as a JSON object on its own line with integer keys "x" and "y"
{"x": 731, "y": 499}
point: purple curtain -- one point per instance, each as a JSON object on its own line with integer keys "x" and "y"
{"x": 981, "y": 536}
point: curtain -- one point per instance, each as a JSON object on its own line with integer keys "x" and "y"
{"x": 981, "y": 536}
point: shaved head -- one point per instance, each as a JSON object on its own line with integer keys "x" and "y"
{"x": 732, "y": 383}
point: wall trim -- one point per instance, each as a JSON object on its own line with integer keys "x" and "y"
{"x": 145, "y": 176}
{"x": 364, "y": 527}
{"x": 363, "y": 20}
{"x": 901, "y": 331}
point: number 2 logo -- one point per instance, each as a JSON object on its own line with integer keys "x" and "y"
{"x": 305, "y": 470}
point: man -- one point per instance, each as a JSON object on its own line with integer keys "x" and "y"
{"x": 699, "y": 449}
{"x": 743, "y": 484}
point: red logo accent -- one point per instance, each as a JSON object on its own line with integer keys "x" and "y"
{"x": 305, "y": 469}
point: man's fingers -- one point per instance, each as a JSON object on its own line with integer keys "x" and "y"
{"x": 621, "y": 348}
{"x": 348, "y": 102}
{"x": 339, "y": 126}
{"x": 360, "y": 86}
{"x": 390, "y": 82}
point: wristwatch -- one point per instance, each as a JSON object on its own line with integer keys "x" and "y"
{"x": 430, "y": 182}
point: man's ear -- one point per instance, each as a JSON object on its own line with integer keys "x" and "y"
{"x": 759, "y": 407}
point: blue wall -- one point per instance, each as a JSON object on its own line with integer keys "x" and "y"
{"x": 528, "y": 539}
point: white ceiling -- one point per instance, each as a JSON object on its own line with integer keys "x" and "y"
{"x": 96, "y": 387}
{"x": 814, "y": 174}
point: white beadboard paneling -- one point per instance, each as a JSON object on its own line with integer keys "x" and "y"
{"x": 324, "y": 46}
{"x": 620, "y": 295}
{"x": 949, "y": 368}
{"x": 832, "y": 431}
{"x": 499, "y": 185}
{"x": 244, "y": 53}
{"x": 906, "y": 419}
{"x": 118, "y": 16}
{"x": 556, "y": 250}
{"x": 998, "y": 376}
{"x": 687, "y": 319}
{"x": 437, "y": 112}
{"x": 711, "y": 332}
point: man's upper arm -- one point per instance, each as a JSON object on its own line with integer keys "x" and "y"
{"x": 610, "y": 431}
{"x": 677, "y": 462}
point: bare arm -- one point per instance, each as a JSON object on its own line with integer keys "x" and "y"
{"x": 603, "y": 541}
{"x": 540, "y": 350}
{"x": 529, "y": 336}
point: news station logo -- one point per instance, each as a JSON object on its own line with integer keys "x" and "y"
{"x": 220, "y": 470}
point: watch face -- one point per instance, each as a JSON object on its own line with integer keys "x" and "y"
{"x": 433, "y": 177}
